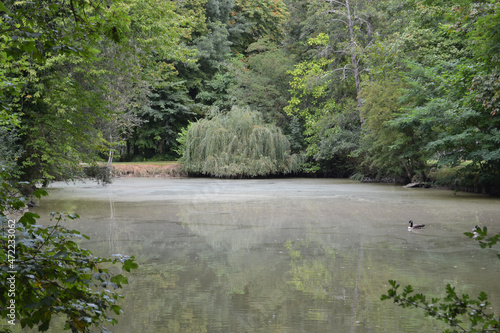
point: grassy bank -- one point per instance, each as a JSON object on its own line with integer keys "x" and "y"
{"x": 147, "y": 169}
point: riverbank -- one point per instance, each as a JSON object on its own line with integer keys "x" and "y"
{"x": 444, "y": 178}
{"x": 147, "y": 169}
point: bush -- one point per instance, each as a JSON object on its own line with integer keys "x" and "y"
{"x": 45, "y": 273}
{"x": 101, "y": 174}
{"x": 237, "y": 144}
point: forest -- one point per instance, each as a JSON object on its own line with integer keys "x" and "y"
{"x": 380, "y": 90}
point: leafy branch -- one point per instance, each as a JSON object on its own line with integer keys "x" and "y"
{"x": 461, "y": 312}
{"x": 451, "y": 310}
{"x": 481, "y": 236}
{"x": 53, "y": 274}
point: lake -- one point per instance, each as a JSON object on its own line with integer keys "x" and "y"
{"x": 281, "y": 255}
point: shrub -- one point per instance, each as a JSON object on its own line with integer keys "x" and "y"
{"x": 45, "y": 273}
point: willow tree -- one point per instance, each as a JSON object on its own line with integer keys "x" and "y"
{"x": 237, "y": 144}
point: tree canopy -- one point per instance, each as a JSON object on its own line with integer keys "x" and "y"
{"x": 237, "y": 144}
{"x": 379, "y": 89}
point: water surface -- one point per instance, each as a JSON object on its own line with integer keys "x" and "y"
{"x": 281, "y": 255}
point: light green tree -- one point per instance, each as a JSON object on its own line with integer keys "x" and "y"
{"x": 237, "y": 144}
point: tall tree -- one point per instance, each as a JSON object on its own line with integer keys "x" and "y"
{"x": 330, "y": 133}
{"x": 261, "y": 80}
{"x": 156, "y": 43}
{"x": 347, "y": 12}
{"x": 34, "y": 31}
{"x": 37, "y": 37}
{"x": 446, "y": 116}
{"x": 347, "y": 31}
{"x": 237, "y": 144}
{"x": 73, "y": 102}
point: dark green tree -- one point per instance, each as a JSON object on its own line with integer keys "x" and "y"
{"x": 261, "y": 80}
{"x": 436, "y": 85}
{"x": 163, "y": 117}
{"x": 331, "y": 133}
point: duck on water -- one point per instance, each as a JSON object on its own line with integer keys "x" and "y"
{"x": 415, "y": 226}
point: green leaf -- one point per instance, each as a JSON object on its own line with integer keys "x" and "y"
{"x": 116, "y": 309}
{"x": 29, "y": 218}
{"x": 119, "y": 279}
{"x": 3, "y": 8}
{"x": 71, "y": 279}
{"x": 44, "y": 326}
{"x": 40, "y": 192}
{"x": 61, "y": 254}
{"x": 129, "y": 264}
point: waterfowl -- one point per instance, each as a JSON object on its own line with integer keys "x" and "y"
{"x": 474, "y": 232}
{"x": 415, "y": 226}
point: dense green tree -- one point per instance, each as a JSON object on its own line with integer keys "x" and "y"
{"x": 333, "y": 42}
{"x": 331, "y": 133}
{"x": 32, "y": 32}
{"x": 163, "y": 117}
{"x": 215, "y": 96}
{"x": 62, "y": 103}
{"x": 442, "y": 89}
{"x": 74, "y": 104}
{"x": 37, "y": 41}
{"x": 427, "y": 72}
{"x": 36, "y": 30}
{"x": 225, "y": 30}
{"x": 340, "y": 31}
{"x": 261, "y": 80}
{"x": 261, "y": 19}
{"x": 237, "y": 144}
{"x": 444, "y": 104}
{"x": 380, "y": 105}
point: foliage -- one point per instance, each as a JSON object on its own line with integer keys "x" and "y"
{"x": 215, "y": 95}
{"x": 59, "y": 112}
{"x": 81, "y": 81}
{"x": 451, "y": 310}
{"x": 355, "y": 17}
{"x": 264, "y": 17}
{"x": 157, "y": 101}
{"x": 331, "y": 128}
{"x": 380, "y": 105}
{"x": 45, "y": 272}
{"x": 10, "y": 150}
{"x": 38, "y": 41}
{"x": 158, "y": 30}
{"x": 167, "y": 113}
{"x": 442, "y": 97}
{"x": 237, "y": 144}
{"x": 460, "y": 312}
{"x": 36, "y": 30}
{"x": 73, "y": 105}
{"x": 480, "y": 235}
{"x": 261, "y": 80}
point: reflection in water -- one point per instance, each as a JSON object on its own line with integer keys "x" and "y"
{"x": 283, "y": 255}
